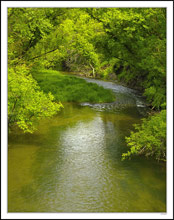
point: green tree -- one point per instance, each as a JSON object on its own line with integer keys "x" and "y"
{"x": 149, "y": 138}
{"x": 27, "y": 104}
{"x": 26, "y": 26}
{"x": 135, "y": 38}
{"x": 71, "y": 44}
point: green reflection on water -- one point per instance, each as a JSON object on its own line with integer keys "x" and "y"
{"x": 73, "y": 164}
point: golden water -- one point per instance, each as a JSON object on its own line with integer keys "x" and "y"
{"x": 73, "y": 164}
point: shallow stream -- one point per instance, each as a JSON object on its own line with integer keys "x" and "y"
{"x": 73, "y": 162}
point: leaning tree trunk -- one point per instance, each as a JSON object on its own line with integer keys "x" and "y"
{"x": 93, "y": 70}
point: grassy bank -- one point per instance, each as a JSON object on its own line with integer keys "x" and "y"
{"x": 68, "y": 88}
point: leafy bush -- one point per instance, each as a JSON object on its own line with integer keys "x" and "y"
{"x": 149, "y": 138}
{"x": 109, "y": 67}
{"x": 156, "y": 96}
{"x": 27, "y": 104}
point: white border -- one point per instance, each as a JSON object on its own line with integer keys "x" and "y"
{"x": 88, "y": 4}
{"x": 169, "y": 6}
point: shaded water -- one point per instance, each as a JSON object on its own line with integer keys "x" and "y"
{"x": 73, "y": 163}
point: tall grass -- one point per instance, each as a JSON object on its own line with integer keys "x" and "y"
{"x": 68, "y": 88}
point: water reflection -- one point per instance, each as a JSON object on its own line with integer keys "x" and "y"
{"x": 83, "y": 166}
{"x": 73, "y": 164}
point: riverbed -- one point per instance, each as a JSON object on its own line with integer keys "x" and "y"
{"x": 72, "y": 163}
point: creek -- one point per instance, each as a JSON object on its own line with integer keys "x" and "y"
{"x": 72, "y": 163}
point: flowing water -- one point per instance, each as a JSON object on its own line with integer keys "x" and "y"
{"x": 72, "y": 163}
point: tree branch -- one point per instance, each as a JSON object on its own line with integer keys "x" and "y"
{"x": 43, "y": 54}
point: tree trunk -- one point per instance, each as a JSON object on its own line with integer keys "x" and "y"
{"x": 93, "y": 70}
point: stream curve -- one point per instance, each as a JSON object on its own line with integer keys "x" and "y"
{"x": 72, "y": 163}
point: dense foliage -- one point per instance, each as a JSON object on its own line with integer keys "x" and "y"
{"x": 26, "y": 102}
{"x": 149, "y": 138}
{"x": 126, "y": 44}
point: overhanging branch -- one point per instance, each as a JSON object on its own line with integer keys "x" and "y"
{"x": 42, "y": 54}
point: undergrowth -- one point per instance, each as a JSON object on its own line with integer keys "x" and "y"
{"x": 68, "y": 88}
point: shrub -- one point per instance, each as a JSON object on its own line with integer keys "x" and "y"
{"x": 27, "y": 104}
{"x": 149, "y": 138}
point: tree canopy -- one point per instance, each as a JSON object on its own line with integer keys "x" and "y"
{"x": 26, "y": 102}
{"x": 127, "y": 44}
